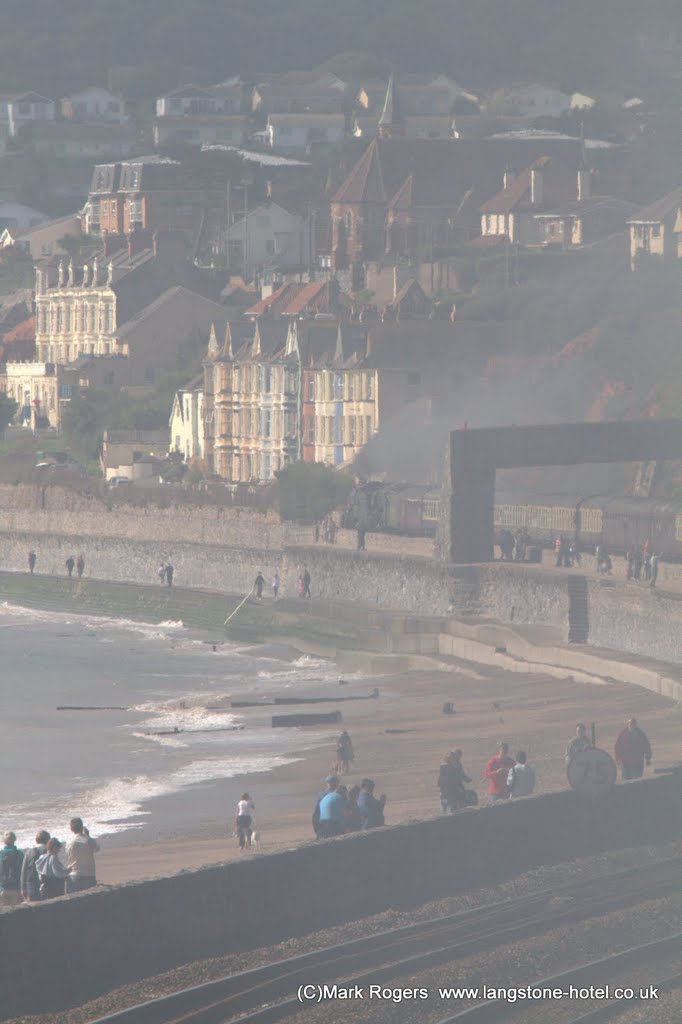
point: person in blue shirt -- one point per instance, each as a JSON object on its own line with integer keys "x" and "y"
{"x": 371, "y": 809}
{"x": 333, "y": 807}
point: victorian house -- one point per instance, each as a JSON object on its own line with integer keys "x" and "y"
{"x": 410, "y": 199}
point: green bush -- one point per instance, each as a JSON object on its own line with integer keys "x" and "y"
{"x": 307, "y": 491}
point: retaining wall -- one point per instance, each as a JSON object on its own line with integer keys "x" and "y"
{"x": 107, "y": 938}
{"x": 636, "y": 619}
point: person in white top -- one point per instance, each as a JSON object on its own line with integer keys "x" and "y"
{"x": 521, "y": 778}
{"x": 80, "y": 858}
{"x": 245, "y": 809}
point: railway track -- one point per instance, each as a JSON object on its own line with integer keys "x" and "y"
{"x": 595, "y": 973}
{"x": 269, "y": 993}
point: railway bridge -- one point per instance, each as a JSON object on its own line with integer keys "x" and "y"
{"x": 475, "y": 456}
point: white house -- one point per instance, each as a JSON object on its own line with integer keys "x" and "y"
{"x": 224, "y": 98}
{"x": 22, "y": 108}
{"x": 541, "y": 101}
{"x": 304, "y": 132}
{"x": 94, "y": 104}
{"x": 16, "y": 215}
{"x": 42, "y": 240}
{"x": 201, "y": 129}
{"x": 187, "y": 421}
{"x": 269, "y": 236}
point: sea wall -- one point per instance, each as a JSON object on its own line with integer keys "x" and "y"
{"x": 110, "y": 937}
{"x": 631, "y": 618}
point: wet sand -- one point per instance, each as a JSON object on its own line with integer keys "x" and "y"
{"x": 399, "y": 740}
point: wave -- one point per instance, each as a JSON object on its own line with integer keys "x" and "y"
{"x": 38, "y": 616}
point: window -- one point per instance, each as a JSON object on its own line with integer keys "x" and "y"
{"x": 338, "y": 387}
{"x": 310, "y": 430}
{"x": 311, "y": 388}
{"x": 370, "y": 386}
{"x": 351, "y": 386}
{"x": 267, "y": 423}
{"x": 352, "y": 430}
{"x": 368, "y": 427}
{"x": 656, "y": 231}
{"x": 268, "y": 380}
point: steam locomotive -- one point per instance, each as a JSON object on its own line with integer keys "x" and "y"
{"x": 618, "y": 523}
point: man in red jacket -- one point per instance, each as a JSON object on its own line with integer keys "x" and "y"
{"x": 632, "y": 749}
{"x": 496, "y": 772}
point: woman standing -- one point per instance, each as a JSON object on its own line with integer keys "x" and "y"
{"x": 51, "y": 871}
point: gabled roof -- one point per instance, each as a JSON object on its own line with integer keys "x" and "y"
{"x": 365, "y": 182}
{"x": 402, "y": 200}
{"x": 558, "y": 185}
{"x": 176, "y": 302}
{"x": 444, "y": 169}
{"x": 662, "y": 208}
{"x": 290, "y": 300}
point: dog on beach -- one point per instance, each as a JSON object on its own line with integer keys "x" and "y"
{"x": 255, "y": 840}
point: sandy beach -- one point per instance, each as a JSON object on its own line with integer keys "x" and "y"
{"x": 399, "y": 739}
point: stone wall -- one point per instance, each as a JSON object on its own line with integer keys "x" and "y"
{"x": 107, "y": 938}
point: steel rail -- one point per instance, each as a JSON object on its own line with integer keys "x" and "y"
{"x": 583, "y": 976}
{"x": 410, "y": 947}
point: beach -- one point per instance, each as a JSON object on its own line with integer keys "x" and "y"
{"x": 163, "y": 801}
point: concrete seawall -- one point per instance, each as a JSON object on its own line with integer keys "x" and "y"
{"x": 632, "y": 618}
{"x": 110, "y": 937}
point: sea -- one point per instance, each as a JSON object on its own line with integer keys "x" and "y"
{"x": 146, "y": 681}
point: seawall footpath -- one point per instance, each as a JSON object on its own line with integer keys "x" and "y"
{"x": 220, "y": 549}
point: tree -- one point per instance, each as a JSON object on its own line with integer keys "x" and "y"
{"x": 307, "y": 491}
{"x": 8, "y": 410}
{"x": 83, "y": 422}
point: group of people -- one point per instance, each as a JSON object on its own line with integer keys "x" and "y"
{"x": 512, "y": 777}
{"x": 304, "y": 581}
{"x": 326, "y": 530}
{"x": 48, "y": 869}
{"x": 339, "y": 810}
{"x": 165, "y": 573}
{"x": 508, "y": 777}
{"x": 640, "y": 562}
{"x": 71, "y": 563}
{"x": 514, "y": 546}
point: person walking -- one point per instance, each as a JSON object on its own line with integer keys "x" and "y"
{"x": 169, "y": 574}
{"x": 496, "y": 772}
{"x": 70, "y": 563}
{"x": 52, "y": 872}
{"x": 31, "y": 561}
{"x": 306, "y": 583}
{"x": 361, "y": 538}
{"x": 11, "y": 860}
{"x": 258, "y": 585}
{"x": 632, "y": 750}
{"x": 161, "y": 573}
{"x": 275, "y": 585}
{"x": 80, "y": 566}
{"x": 654, "y": 568}
{"x": 345, "y": 755}
{"x": 521, "y": 777}
{"x": 80, "y": 858}
{"x": 581, "y": 741}
{"x": 30, "y": 879}
{"x": 245, "y": 809}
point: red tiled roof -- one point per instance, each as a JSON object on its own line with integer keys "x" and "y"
{"x": 290, "y": 300}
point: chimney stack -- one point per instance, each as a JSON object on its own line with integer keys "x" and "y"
{"x": 536, "y": 184}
